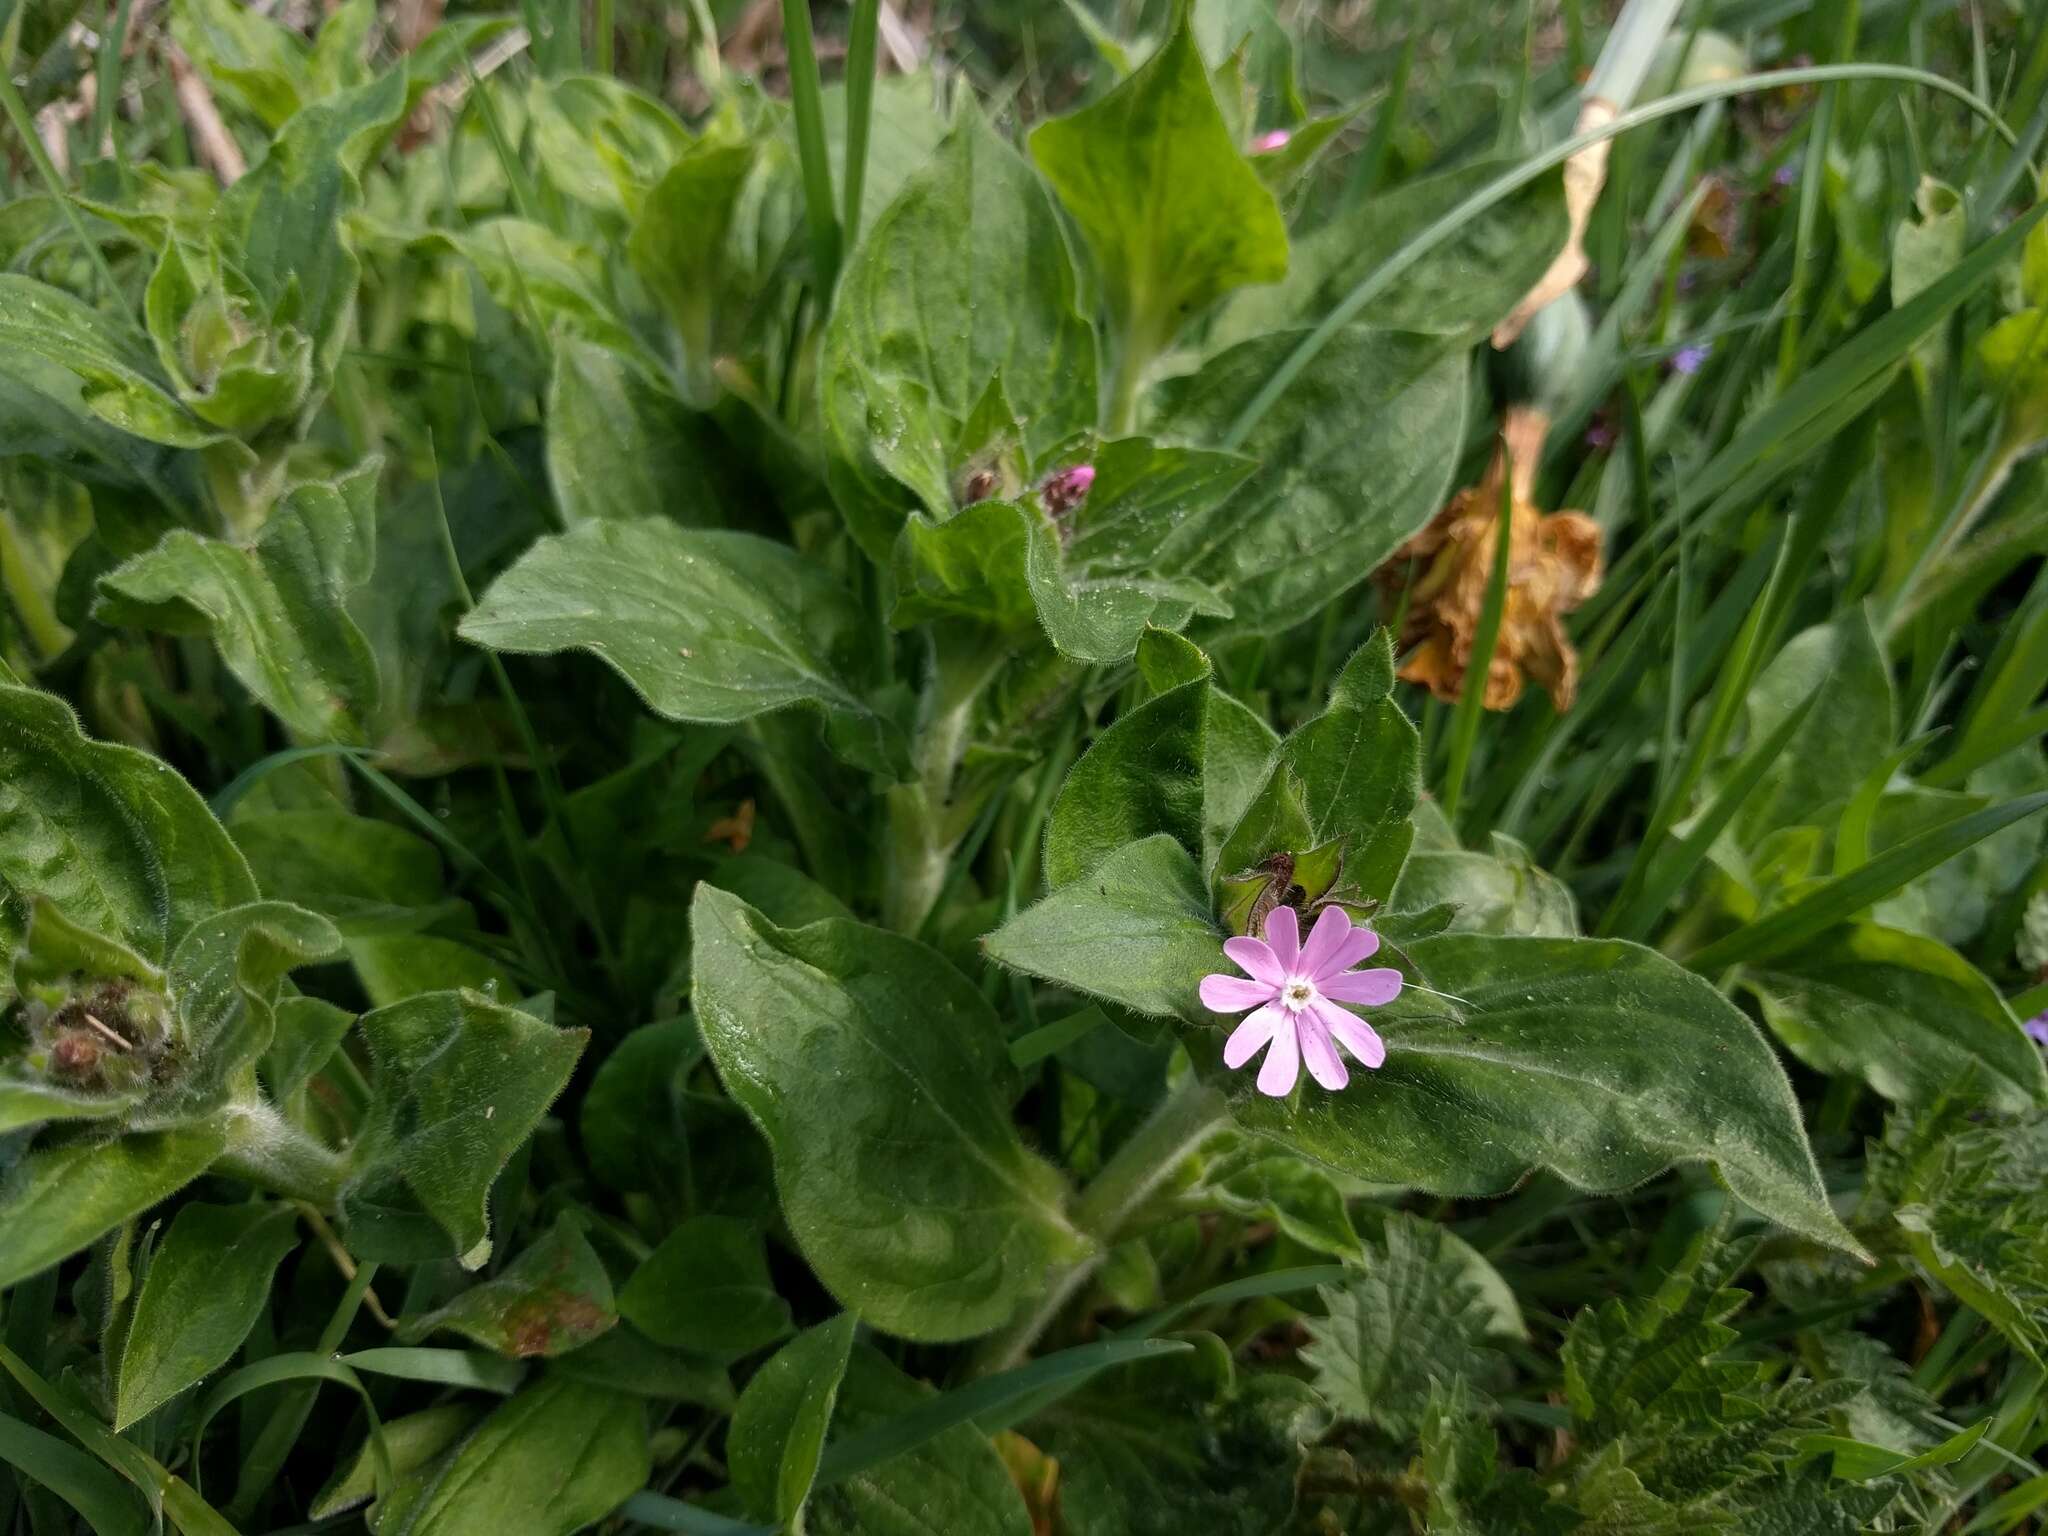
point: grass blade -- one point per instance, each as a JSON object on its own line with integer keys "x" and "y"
{"x": 806, "y": 100}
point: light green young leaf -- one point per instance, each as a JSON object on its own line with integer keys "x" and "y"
{"x": 1925, "y": 248}
{"x": 1136, "y": 929}
{"x": 286, "y": 219}
{"x": 458, "y": 1082}
{"x": 1173, "y": 212}
{"x": 278, "y": 608}
{"x": 952, "y": 1483}
{"x": 706, "y": 1289}
{"x": 112, "y": 836}
{"x": 250, "y": 59}
{"x": 557, "y": 1458}
{"x": 207, "y": 1282}
{"x": 216, "y": 344}
{"x": 964, "y": 280}
{"x": 1355, "y": 457}
{"x": 937, "y": 1230}
{"x": 600, "y": 141}
{"x": 778, "y": 1429}
{"x": 56, "y": 1200}
{"x": 1907, "y": 1014}
{"x": 1599, "y": 1060}
{"x": 57, "y": 346}
{"x": 555, "y": 1297}
{"x": 706, "y": 626}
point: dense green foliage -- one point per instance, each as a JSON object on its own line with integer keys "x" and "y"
{"x": 637, "y": 690}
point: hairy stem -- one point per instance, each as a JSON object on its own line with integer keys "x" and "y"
{"x": 268, "y": 1151}
{"x": 1189, "y": 1117}
{"x": 924, "y": 824}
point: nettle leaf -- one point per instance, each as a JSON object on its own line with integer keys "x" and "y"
{"x": 57, "y": 346}
{"x": 55, "y": 1200}
{"x": 1354, "y": 457}
{"x": 286, "y": 221}
{"x": 1907, "y": 1014}
{"x": 1405, "y": 1323}
{"x": 1347, "y": 778}
{"x": 964, "y": 280}
{"x": 458, "y": 1082}
{"x": 208, "y": 1281}
{"x": 953, "y": 1483}
{"x": 1136, "y": 929}
{"x": 706, "y": 626}
{"x": 881, "y": 1079}
{"x": 778, "y": 1430}
{"x": 1599, "y": 1060}
{"x": 112, "y": 836}
{"x": 276, "y": 608}
{"x": 622, "y": 447}
{"x": 555, "y": 1297}
{"x": 1461, "y": 290}
{"x": 558, "y": 1457}
{"x": 706, "y": 1289}
{"x": 1173, "y": 213}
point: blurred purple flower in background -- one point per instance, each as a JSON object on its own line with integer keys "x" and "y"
{"x": 1689, "y": 360}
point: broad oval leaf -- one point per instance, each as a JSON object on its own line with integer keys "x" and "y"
{"x": 778, "y": 1429}
{"x": 1599, "y": 1060}
{"x": 112, "y": 836}
{"x": 706, "y": 626}
{"x": 1907, "y": 1014}
{"x": 963, "y": 281}
{"x": 555, "y": 1297}
{"x": 878, "y": 1074}
{"x": 706, "y": 1289}
{"x": 57, "y": 1199}
{"x": 207, "y": 1282}
{"x": 1354, "y": 457}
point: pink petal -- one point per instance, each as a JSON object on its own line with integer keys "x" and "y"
{"x": 1250, "y": 1037}
{"x": 1233, "y": 994}
{"x": 1321, "y": 1056}
{"x": 1361, "y": 944}
{"x": 1353, "y": 1033}
{"x": 1283, "y": 932}
{"x": 1372, "y": 988}
{"x": 1325, "y": 943}
{"x": 1257, "y": 958}
{"x": 1283, "y": 1062}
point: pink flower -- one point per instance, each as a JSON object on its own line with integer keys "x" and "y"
{"x": 1066, "y": 489}
{"x": 1295, "y": 989}
{"x": 1266, "y": 143}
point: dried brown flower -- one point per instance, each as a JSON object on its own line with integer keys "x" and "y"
{"x": 1554, "y": 564}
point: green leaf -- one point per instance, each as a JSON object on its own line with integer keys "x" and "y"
{"x": 1463, "y": 289}
{"x": 214, "y": 340}
{"x": 555, "y": 1297}
{"x": 964, "y": 280}
{"x": 308, "y": 1032}
{"x": 1143, "y": 775}
{"x": 1907, "y": 1014}
{"x": 57, "y": 1199}
{"x": 626, "y": 1360}
{"x": 684, "y": 248}
{"x": 706, "y": 626}
{"x": 1347, "y": 778}
{"x": 277, "y": 608}
{"x": 778, "y": 1429}
{"x": 207, "y": 1283}
{"x": 600, "y": 141}
{"x": 632, "y": 1115}
{"x": 287, "y": 220}
{"x": 1407, "y": 1321}
{"x": 412, "y": 1443}
{"x": 937, "y": 1230}
{"x": 1925, "y": 248}
{"x": 1599, "y": 1060}
{"x": 550, "y": 282}
{"x": 365, "y": 874}
{"x": 706, "y": 1288}
{"x": 1845, "y": 734}
{"x": 1355, "y": 456}
{"x": 60, "y": 347}
{"x": 458, "y": 1083}
{"x": 73, "y": 1476}
{"x": 249, "y": 58}
{"x": 1135, "y": 930}
{"x": 950, "y": 1485}
{"x": 1173, "y": 213}
{"x": 1299, "y": 1198}
{"x": 620, "y": 447}
{"x": 1498, "y": 892}
{"x": 556, "y": 1458}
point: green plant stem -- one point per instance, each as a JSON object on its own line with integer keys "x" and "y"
{"x": 923, "y": 821}
{"x": 1190, "y": 1116}
{"x": 268, "y": 1151}
{"x": 109, "y": 71}
{"x": 601, "y": 36}
{"x": 806, "y": 101}
{"x": 860, "y": 110}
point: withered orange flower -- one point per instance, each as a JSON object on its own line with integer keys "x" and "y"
{"x": 1554, "y": 564}
{"x": 736, "y": 830}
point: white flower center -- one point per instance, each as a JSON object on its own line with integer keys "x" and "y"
{"x": 1298, "y": 993}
